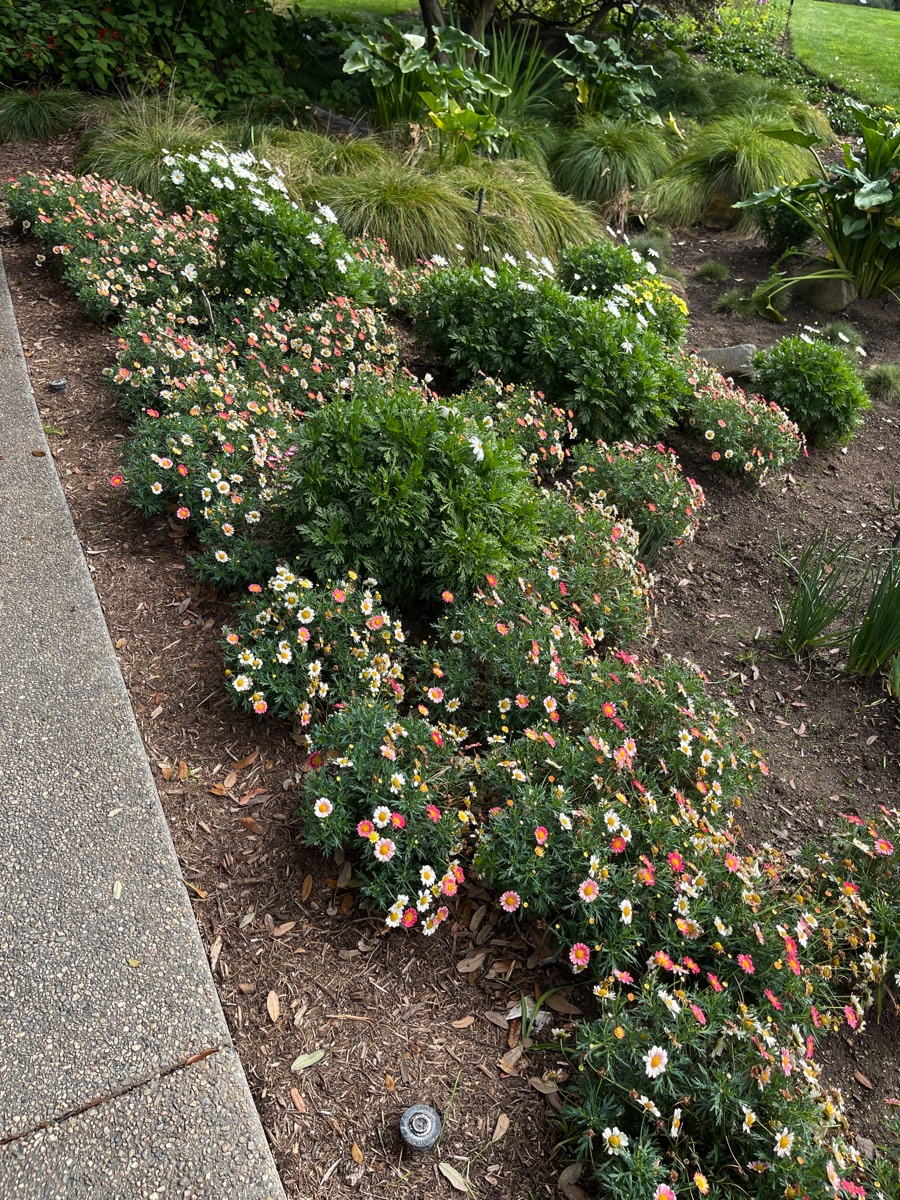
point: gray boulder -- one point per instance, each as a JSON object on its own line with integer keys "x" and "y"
{"x": 736, "y": 361}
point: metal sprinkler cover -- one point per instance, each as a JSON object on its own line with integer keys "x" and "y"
{"x": 420, "y": 1127}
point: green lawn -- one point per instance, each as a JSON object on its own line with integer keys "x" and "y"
{"x": 341, "y": 9}
{"x": 857, "y": 47}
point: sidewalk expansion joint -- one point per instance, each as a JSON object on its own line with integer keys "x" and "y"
{"x": 114, "y": 1095}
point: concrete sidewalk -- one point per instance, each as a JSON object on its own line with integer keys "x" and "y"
{"x": 105, "y": 991}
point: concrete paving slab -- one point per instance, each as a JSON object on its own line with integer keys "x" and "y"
{"x": 103, "y": 977}
{"x": 164, "y": 1141}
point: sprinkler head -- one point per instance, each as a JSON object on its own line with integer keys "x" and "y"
{"x": 58, "y": 385}
{"x": 420, "y": 1127}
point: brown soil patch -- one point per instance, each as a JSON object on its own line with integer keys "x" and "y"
{"x": 393, "y": 1012}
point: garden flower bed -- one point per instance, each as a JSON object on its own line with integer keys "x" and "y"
{"x": 547, "y": 668}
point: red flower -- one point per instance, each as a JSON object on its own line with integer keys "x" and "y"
{"x": 745, "y": 962}
{"x": 117, "y": 481}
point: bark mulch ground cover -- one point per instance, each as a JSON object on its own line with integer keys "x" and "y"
{"x": 300, "y": 968}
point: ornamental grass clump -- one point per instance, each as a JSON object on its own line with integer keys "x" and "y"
{"x": 730, "y": 158}
{"x": 816, "y": 385}
{"x": 32, "y": 115}
{"x": 646, "y": 485}
{"x": 603, "y": 159}
{"x": 409, "y": 491}
{"x": 132, "y": 139}
{"x": 745, "y": 436}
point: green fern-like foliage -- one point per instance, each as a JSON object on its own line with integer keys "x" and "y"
{"x": 409, "y": 491}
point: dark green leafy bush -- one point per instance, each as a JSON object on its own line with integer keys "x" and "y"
{"x": 816, "y": 385}
{"x": 601, "y": 359}
{"x": 217, "y": 51}
{"x": 408, "y": 491}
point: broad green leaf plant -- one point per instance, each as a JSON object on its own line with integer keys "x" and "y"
{"x": 853, "y": 207}
{"x": 412, "y": 79}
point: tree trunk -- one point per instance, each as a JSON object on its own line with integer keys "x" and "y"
{"x": 432, "y": 19}
{"x": 483, "y": 18}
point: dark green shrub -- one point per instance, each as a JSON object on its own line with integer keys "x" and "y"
{"x": 409, "y": 491}
{"x": 218, "y": 51}
{"x": 816, "y": 384}
{"x": 781, "y": 228}
{"x": 602, "y": 359}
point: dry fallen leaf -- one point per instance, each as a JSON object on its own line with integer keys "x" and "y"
{"x": 389, "y": 1082}
{"x": 306, "y": 888}
{"x": 182, "y": 771}
{"x": 545, "y": 1086}
{"x": 302, "y": 1061}
{"x": 252, "y": 824}
{"x": 496, "y": 1018}
{"x": 214, "y": 951}
{"x": 472, "y": 963}
{"x": 560, "y": 1004}
{"x": 356, "y": 1153}
{"x": 507, "y": 1063}
{"x": 297, "y": 1100}
{"x": 453, "y": 1177}
{"x": 229, "y": 781}
{"x": 500, "y": 1128}
{"x": 273, "y": 1004}
{"x": 463, "y": 1023}
{"x": 281, "y": 930}
{"x": 860, "y": 1078}
{"x": 246, "y": 760}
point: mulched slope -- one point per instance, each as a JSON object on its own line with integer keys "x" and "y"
{"x": 298, "y": 967}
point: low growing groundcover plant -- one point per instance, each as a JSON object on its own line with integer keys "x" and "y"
{"x": 525, "y": 738}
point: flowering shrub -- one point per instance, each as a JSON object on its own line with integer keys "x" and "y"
{"x": 298, "y": 648}
{"x": 541, "y": 432}
{"x": 118, "y": 248}
{"x": 216, "y": 423}
{"x": 818, "y": 386}
{"x": 267, "y": 244}
{"x": 646, "y": 485}
{"x": 745, "y": 435}
{"x": 391, "y": 786}
{"x": 599, "y": 358}
{"x": 409, "y": 491}
{"x": 607, "y": 268}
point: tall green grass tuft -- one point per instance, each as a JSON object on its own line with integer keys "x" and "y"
{"x": 875, "y": 639}
{"x": 603, "y": 158}
{"x": 36, "y": 116}
{"x": 417, "y": 214}
{"x": 730, "y": 159}
{"x": 304, "y": 155}
{"x": 132, "y": 138}
{"x": 521, "y": 211}
{"x": 883, "y": 382}
{"x": 819, "y": 582}
{"x": 779, "y": 103}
